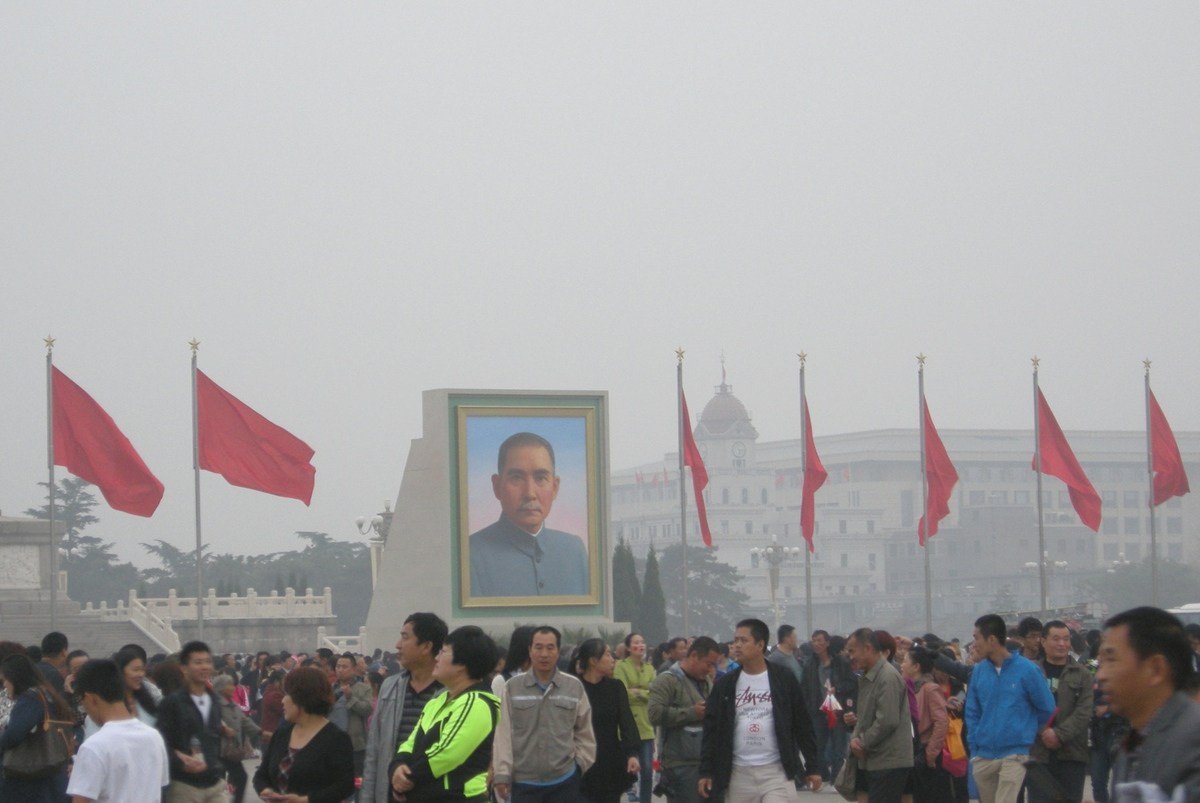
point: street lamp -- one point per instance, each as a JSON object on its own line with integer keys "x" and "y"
{"x": 1052, "y": 566}
{"x": 379, "y": 524}
{"x": 775, "y": 556}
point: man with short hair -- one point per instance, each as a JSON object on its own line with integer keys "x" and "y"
{"x": 352, "y": 703}
{"x": 126, "y": 760}
{"x": 190, "y": 723}
{"x": 53, "y": 663}
{"x": 827, "y": 673}
{"x": 1008, "y": 705}
{"x": 544, "y": 741}
{"x": 402, "y": 698}
{"x": 1063, "y": 745}
{"x": 786, "y": 653}
{"x": 518, "y": 556}
{"x": 756, "y": 727}
{"x": 677, "y": 651}
{"x": 882, "y": 738}
{"x": 676, "y": 705}
{"x": 1145, "y": 667}
{"x": 1029, "y": 632}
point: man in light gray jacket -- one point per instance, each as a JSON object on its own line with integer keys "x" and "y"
{"x": 401, "y": 700}
{"x": 882, "y": 737}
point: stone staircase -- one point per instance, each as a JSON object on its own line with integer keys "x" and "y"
{"x": 26, "y": 623}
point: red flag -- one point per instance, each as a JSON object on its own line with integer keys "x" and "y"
{"x": 247, "y": 449}
{"x": 692, "y": 459}
{"x": 814, "y": 477}
{"x": 88, "y": 444}
{"x": 1059, "y": 461}
{"x": 940, "y": 478}
{"x": 1169, "y": 477}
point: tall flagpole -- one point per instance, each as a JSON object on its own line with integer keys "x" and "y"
{"x": 1150, "y": 497}
{"x": 49, "y": 341}
{"x": 808, "y": 609}
{"x": 682, "y": 489}
{"x": 925, "y": 495}
{"x": 1037, "y": 462}
{"x": 195, "y": 344}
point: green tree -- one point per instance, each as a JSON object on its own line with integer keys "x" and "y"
{"x": 652, "y": 621}
{"x": 73, "y": 504}
{"x": 1005, "y": 600}
{"x": 626, "y": 593}
{"x": 1129, "y": 585}
{"x": 715, "y": 604}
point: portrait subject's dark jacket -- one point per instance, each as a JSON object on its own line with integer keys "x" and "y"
{"x": 793, "y": 726}
{"x": 506, "y": 561}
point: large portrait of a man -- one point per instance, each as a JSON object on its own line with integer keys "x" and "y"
{"x": 528, "y": 519}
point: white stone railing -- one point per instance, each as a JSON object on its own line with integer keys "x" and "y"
{"x": 341, "y": 644}
{"x": 156, "y": 628}
{"x": 251, "y": 606}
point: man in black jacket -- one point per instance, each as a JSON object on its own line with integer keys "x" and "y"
{"x": 823, "y": 673}
{"x": 756, "y": 727}
{"x": 190, "y": 723}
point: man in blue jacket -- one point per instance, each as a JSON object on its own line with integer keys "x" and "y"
{"x": 1008, "y": 704}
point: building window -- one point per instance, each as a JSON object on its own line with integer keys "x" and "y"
{"x": 1110, "y": 551}
{"x": 1109, "y": 498}
{"x": 1131, "y": 499}
{"x": 906, "y": 508}
{"x": 725, "y": 527}
{"x": 724, "y": 496}
{"x": 764, "y": 496}
{"x": 1021, "y": 497}
{"x": 745, "y": 496}
{"x": 1133, "y": 552}
{"x": 749, "y": 528}
{"x": 1175, "y": 551}
{"x": 1108, "y": 525}
{"x": 841, "y": 525}
{"x": 1064, "y": 500}
{"x": 855, "y": 500}
{"x": 977, "y": 498}
{"x": 765, "y": 529}
{"x": 870, "y": 525}
{"x": 871, "y": 561}
{"x": 1174, "y": 525}
{"x": 845, "y": 560}
{"x": 1133, "y": 525}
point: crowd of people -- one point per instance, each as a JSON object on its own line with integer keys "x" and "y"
{"x": 1022, "y": 713}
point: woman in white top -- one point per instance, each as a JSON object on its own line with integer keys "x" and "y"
{"x": 139, "y": 698}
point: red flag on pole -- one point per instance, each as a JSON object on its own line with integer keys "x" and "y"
{"x": 940, "y": 478}
{"x": 1169, "y": 477}
{"x": 88, "y": 444}
{"x": 248, "y": 450}
{"x": 814, "y": 477}
{"x": 692, "y": 459}
{"x": 1059, "y": 461}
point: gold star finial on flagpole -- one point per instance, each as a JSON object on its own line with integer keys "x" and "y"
{"x": 1035, "y": 361}
{"x": 803, "y": 355}
{"x": 679, "y": 353}
{"x": 1146, "y": 362}
{"x": 195, "y": 344}
{"x": 49, "y": 341}
{"x": 921, "y": 359}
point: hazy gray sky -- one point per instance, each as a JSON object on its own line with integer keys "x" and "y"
{"x": 348, "y": 204}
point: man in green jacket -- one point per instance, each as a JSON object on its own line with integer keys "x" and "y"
{"x": 882, "y": 737}
{"x": 676, "y": 705}
{"x": 1062, "y": 746}
{"x": 351, "y": 707}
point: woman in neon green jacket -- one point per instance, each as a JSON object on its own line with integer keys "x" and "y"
{"x": 637, "y": 674}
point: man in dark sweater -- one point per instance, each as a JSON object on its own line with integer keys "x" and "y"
{"x": 190, "y": 723}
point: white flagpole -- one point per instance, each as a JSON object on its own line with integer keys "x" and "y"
{"x": 195, "y": 344}
{"x": 682, "y": 491}
{"x": 49, "y": 341}
{"x": 808, "y": 604}
{"x": 1150, "y": 497}
{"x": 925, "y": 494}
{"x": 1037, "y": 462}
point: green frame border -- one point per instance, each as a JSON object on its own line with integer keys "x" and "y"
{"x": 593, "y": 408}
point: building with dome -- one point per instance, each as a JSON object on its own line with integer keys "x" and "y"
{"x": 868, "y": 567}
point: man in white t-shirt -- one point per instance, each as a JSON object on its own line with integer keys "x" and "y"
{"x": 126, "y": 760}
{"x": 756, "y": 727}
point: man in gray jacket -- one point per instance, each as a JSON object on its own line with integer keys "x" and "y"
{"x": 882, "y": 737}
{"x": 401, "y": 700}
{"x": 1062, "y": 746}
{"x": 544, "y": 741}
{"x": 676, "y": 705}
{"x": 1145, "y": 672}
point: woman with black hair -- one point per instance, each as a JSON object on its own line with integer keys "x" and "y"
{"x": 617, "y": 740}
{"x": 138, "y": 698}
{"x": 30, "y": 693}
{"x": 516, "y": 658}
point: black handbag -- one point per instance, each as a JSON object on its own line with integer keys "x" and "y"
{"x": 45, "y": 751}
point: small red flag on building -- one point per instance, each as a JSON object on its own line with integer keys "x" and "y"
{"x": 88, "y": 444}
{"x": 814, "y": 477}
{"x": 1169, "y": 477}
{"x": 1059, "y": 461}
{"x": 692, "y": 459}
{"x": 940, "y": 478}
{"x": 248, "y": 450}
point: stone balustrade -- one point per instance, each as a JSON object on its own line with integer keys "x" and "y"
{"x": 341, "y": 644}
{"x": 289, "y": 605}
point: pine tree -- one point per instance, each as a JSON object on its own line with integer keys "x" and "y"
{"x": 714, "y": 602}
{"x": 653, "y": 619}
{"x": 626, "y": 593}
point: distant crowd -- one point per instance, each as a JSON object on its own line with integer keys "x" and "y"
{"x": 1031, "y": 712}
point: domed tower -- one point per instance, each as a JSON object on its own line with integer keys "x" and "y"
{"x": 724, "y": 433}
